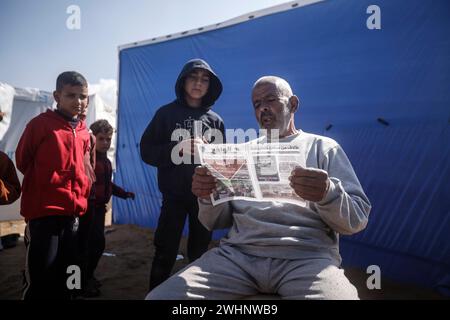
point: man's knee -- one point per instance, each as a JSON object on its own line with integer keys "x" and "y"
{"x": 322, "y": 282}
{"x": 156, "y": 294}
{"x": 334, "y": 285}
{"x": 173, "y": 288}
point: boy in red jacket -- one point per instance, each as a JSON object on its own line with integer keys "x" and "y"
{"x": 55, "y": 188}
{"x": 92, "y": 227}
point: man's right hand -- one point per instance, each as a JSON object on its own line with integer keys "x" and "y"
{"x": 203, "y": 183}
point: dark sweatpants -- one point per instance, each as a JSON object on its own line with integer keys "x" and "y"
{"x": 168, "y": 235}
{"x": 51, "y": 248}
{"x": 91, "y": 240}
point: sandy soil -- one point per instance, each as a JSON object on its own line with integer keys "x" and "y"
{"x": 125, "y": 274}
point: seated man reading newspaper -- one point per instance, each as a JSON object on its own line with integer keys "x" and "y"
{"x": 288, "y": 248}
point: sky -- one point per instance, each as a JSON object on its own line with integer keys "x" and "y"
{"x": 36, "y": 44}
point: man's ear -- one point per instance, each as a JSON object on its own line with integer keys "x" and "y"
{"x": 293, "y": 103}
{"x": 56, "y": 96}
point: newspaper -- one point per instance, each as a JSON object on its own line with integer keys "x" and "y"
{"x": 252, "y": 171}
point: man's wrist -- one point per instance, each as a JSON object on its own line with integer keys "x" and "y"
{"x": 330, "y": 194}
{"x": 205, "y": 201}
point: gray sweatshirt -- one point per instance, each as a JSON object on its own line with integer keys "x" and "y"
{"x": 283, "y": 230}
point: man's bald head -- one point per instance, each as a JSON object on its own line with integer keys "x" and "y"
{"x": 283, "y": 87}
{"x": 274, "y": 105}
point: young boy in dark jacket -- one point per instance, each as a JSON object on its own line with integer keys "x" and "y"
{"x": 93, "y": 224}
{"x": 197, "y": 88}
{"x": 55, "y": 188}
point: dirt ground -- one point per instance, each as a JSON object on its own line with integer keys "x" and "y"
{"x": 124, "y": 270}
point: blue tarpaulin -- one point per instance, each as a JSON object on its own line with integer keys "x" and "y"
{"x": 383, "y": 94}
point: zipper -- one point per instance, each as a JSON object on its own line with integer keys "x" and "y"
{"x": 73, "y": 167}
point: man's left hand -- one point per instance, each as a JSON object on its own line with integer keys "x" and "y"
{"x": 310, "y": 183}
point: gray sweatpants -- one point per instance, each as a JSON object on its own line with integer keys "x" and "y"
{"x": 226, "y": 273}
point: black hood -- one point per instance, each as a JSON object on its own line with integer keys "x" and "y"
{"x": 215, "y": 86}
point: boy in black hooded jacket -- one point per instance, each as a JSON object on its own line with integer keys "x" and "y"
{"x": 189, "y": 121}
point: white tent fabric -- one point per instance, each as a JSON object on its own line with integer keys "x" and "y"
{"x": 20, "y": 105}
{"x": 100, "y": 108}
{"x": 6, "y": 101}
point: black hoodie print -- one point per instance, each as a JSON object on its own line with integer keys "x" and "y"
{"x": 156, "y": 146}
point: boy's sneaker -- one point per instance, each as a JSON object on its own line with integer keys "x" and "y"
{"x": 97, "y": 283}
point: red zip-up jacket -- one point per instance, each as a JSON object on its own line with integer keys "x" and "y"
{"x": 50, "y": 154}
